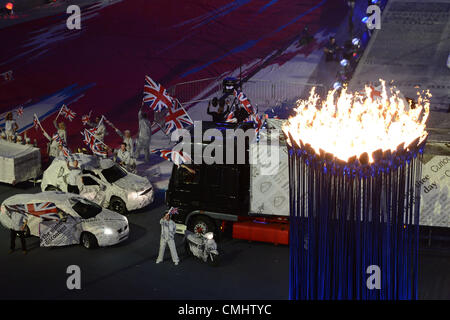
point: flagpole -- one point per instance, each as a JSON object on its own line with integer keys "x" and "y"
{"x": 40, "y": 125}
{"x": 101, "y": 120}
{"x": 57, "y": 116}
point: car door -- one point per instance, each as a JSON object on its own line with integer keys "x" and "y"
{"x": 93, "y": 189}
{"x": 60, "y": 232}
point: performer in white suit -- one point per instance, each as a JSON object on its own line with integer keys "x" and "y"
{"x": 144, "y": 136}
{"x": 168, "y": 228}
{"x": 127, "y": 139}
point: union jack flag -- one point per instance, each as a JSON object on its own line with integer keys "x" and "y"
{"x": 45, "y": 210}
{"x": 68, "y": 113}
{"x": 56, "y": 137}
{"x": 98, "y": 148}
{"x": 177, "y": 157}
{"x": 172, "y": 211}
{"x": 89, "y": 134}
{"x": 66, "y": 153}
{"x": 86, "y": 137}
{"x": 176, "y": 118}
{"x": 94, "y": 144}
{"x": 243, "y": 100}
{"x": 231, "y": 118}
{"x": 156, "y": 96}
{"x": 258, "y": 122}
{"x": 19, "y": 112}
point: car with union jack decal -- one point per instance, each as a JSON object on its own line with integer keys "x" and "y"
{"x": 61, "y": 219}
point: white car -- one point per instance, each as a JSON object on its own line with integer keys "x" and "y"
{"x": 61, "y": 219}
{"x": 103, "y": 182}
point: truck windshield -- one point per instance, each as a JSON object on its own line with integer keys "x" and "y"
{"x": 114, "y": 173}
{"x": 86, "y": 209}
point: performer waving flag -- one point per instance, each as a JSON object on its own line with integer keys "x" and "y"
{"x": 100, "y": 131}
{"x": 57, "y": 145}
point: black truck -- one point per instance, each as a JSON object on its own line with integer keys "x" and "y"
{"x": 207, "y": 194}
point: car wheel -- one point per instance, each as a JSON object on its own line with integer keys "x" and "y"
{"x": 88, "y": 240}
{"x": 116, "y": 204}
{"x": 202, "y": 225}
{"x": 52, "y": 188}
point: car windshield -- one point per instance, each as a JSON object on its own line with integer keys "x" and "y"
{"x": 114, "y": 173}
{"x": 86, "y": 209}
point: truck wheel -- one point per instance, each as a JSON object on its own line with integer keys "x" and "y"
{"x": 88, "y": 240}
{"x": 116, "y": 204}
{"x": 52, "y": 188}
{"x": 201, "y": 225}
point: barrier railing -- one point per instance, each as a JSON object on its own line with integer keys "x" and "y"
{"x": 263, "y": 93}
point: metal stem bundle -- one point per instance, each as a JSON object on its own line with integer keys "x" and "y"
{"x": 347, "y": 216}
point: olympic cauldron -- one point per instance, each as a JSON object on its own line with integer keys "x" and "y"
{"x": 354, "y": 205}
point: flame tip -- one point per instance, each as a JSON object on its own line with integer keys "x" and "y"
{"x": 357, "y": 124}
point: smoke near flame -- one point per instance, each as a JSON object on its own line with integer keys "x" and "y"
{"x": 357, "y": 123}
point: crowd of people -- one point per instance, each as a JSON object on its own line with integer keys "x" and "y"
{"x": 9, "y": 133}
{"x": 129, "y": 150}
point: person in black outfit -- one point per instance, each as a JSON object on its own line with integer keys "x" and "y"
{"x": 19, "y": 224}
{"x": 21, "y": 235}
{"x": 331, "y": 49}
{"x": 220, "y": 115}
{"x": 305, "y": 37}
